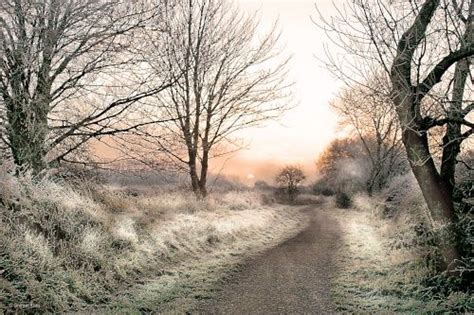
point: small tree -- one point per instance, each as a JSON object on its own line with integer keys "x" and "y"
{"x": 289, "y": 178}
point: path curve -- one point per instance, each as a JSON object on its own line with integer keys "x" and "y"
{"x": 292, "y": 278}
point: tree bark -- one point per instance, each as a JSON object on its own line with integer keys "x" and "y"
{"x": 436, "y": 193}
{"x": 193, "y": 172}
{"x": 27, "y": 131}
{"x": 198, "y": 182}
{"x": 453, "y": 137}
{"x": 434, "y": 189}
{"x": 194, "y": 180}
{"x": 204, "y": 171}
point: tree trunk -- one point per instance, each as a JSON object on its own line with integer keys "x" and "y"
{"x": 202, "y": 189}
{"x": 204, "y": 170}
{"x": 453, "y": 138}
{"x": 435, "y": 192}
{"x": 291, "y": 193}
{"x": 27, "y": 117}
{"x": 27, "y": 132}
{"x": 194, "y": 175}
{"x": 198, "y": 183}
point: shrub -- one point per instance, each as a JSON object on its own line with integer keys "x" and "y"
{"x": 465, "y": 232}
{"x": 322, "y": 188}
{"x": 327, "y": 192}
{"x": 262, "y": 185}
{"x": 402, "y": 195}
{"x": 343, "y": 200}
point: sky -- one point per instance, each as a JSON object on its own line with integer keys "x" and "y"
{"x": 302, "y": 133}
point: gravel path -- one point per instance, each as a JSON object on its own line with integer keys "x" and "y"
{"x": 292, "y": 278}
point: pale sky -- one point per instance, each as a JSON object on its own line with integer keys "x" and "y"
{"x": 303, "y": 132}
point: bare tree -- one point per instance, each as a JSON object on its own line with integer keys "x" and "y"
{"x": 416, "y": 43}
{"x": 228, "y": 77}
{"x": 67, "y": 74}
{"x": 408, "y": 97}
{"x": 290, "y": 178}
{"x": 372, "y": 118}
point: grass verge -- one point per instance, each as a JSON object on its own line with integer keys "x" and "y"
{"x": 384, "y": 269}
{"x": 83, "y": 248}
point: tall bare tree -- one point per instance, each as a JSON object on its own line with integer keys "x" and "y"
{"x": 416, "y": 44}
{"x": 229, "y": 77}
{"x": 67, "y": 74}
{"x": 408, "y": 97}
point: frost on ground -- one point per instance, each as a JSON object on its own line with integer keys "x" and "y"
{"x": 385, "y": 266}
{"x": 73, "y": 248}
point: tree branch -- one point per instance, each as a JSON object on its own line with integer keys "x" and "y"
{"x": 435, "y": 76}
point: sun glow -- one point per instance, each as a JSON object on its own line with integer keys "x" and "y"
{"x": 303, "y": 132}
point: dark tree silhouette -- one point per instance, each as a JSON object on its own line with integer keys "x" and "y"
{"x": 290, "y": 178}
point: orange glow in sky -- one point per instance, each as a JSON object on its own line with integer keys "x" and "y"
{"x": 302, "y": 133}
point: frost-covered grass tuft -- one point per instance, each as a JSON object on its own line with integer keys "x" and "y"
{"x": 386, "y": 265}
{"x": 65, "y": 248}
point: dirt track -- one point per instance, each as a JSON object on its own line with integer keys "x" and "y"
{"x": 292, "y": 278}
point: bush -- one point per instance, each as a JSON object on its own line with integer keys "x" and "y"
{"x": 465, "y": 232}
{"x": 328, "y": 192}
{"x": 320, "y": 188}
{"x": 262, "y": 185}
{"x": 343, "y": 200}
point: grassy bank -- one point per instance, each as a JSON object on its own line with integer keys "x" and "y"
{"x": 83, "y": 247}
{"x": 386, "y": 267}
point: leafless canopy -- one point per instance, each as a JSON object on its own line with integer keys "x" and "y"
{"x": 228, "y": 77}
{"x": 67, "y": 74}
{"x": 372, "y": 118}
{"x": 425, "y": 49}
